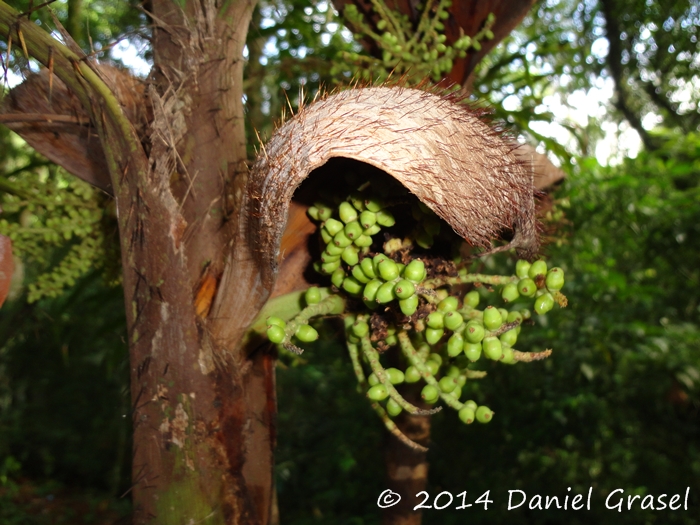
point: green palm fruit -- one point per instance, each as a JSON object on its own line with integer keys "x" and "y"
{"x": 527, "y": 287}
{"x": 363, "y": 241}
{"x": 474, "y": 332}
{"x": 525, "y": 313}
{"x": 330, "y": 267}
{"x": 275, "y": 321}
{"x": 510, "y": 337}
{"x": 352, "y": 230}
{"x": 275, "y": 334}
{"x": 435, "y": 357}
{"x": 367, "y": 219}
{"x": 396, "y": 376}
{"x": 326, "y": 237}
{"x": 332, "y": 249}
{"x": 393, "y": 408}
{"x": 537, "y": 268}
{"x": 377, "y": 393}
{"x": 452, "y": 372}
{"x": 447, "y": 384}
{"x": 510, "y": 292}
{"x": 555, "y": 279}
{"x": 514, "y": 316}
{"x": 493, "y": 349}
{"x": 360, "y": 328}
{"x": 472, "y": 299}
{"x": 376, "y": 260}
{"x": 368, "y": 267}
{"x": 358, "y": 274}
{"x": 483, "y": 414}
{"x": 385, "y": 293}
{"x": 453, "y": 320}
{"x": 333, "y": 226}
{"x": 371, "y": 288}
{"x": 472, "y": 351}
{"x": 433, "y": 335}
{"x": 385, "y": 218}
{"x": 466, "y": 415}
{"x": 504, "y": 314}
{"x": 492, "y": 318}
{"x": 508, "y": 355}
{"x": 448, "y": 304}
{"x": 435, "y": 320}
{"x": 544, "y": 303}
{"x": 324, "y": 212}
{"x": 351, "y": 255}
{"x": 522, "y": 268}
{"x": 424, "y": 240}
{"x": 455, "y": 345}
{"x": 432, "y": 366}
{"x": 404, "y": 289}
{"x": 337, "y": 277}
{"x": 457, "y": 392}
{"x": 352, "y": 286}
{"x": 306, "y": 333}
{"x": 347, "y": 212}
{"x": 372, "y": 230}
{"x": 409, "y": 306}
{"x": 430, "y": 394}
{"x": 373, "y": 379}
{"x": 412, "y": 375}
{"x": 342, "y": 240}
{"x": 357, "y": 200}
{"x": 312, "y": 212}
{"x": 388, "y": 269}
{"x": 312, "y": 295}
{"x": 374, "y": 204}
{"x": 391, "y": 340}
{"x": 327, "y": 258}
{"x": 415, "y": 271}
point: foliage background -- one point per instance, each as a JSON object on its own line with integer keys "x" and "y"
{"x": 615, "y": 407}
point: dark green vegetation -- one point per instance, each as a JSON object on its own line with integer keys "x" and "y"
{"x": 616, "y": 406}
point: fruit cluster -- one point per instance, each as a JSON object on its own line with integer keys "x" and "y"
{"x": 397, "y": 294}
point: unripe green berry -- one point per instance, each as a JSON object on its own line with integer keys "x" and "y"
{"x": 525, "y": 313}
{"x": 376, "y": 260}
{"x": 351, "y": 255}
{"x": 537, "y": 268}
{"x": 508, "y": 356}
{"x": 342, "y": 240}
{"x": 474, "y": 332}
{"x": 363, "y": 241}
{"x": 452, "y": 372}
{"x": 415, "y": 271}
{"x": 374, "y": 204}
{"x": 330, "y": 267}
{"x": 466, "y": 415}
{"x": 510, "y": 292}
{"x": 275, "y": 321}
{"x": 492, "y": 318}
{"x": 509, "y": 338}
{"x": 555, "y": 279}
{"x": 544, "y": 303}
{"x": 396, "y": 376}
{"x": 483, "y": 414}
{"x": 333, "y": 226}
{"x": 347, "y": 212}
{"x": 430, "y": 394}
{"x": 453, "y": 320}
{"x": 312, "y": 212}
{"x": 352, "y": 286}
{"x": 385, "y": 218}
{"x": 424, "y": 240}
{"x": 522, "y": 267}
{"x": 393, "y": 408}
{"x": 324, "y": 212}
{"x": 527, "y": 287}
{"x": 312, "y": 295}
{"x": 472, "y": 299}
{"x": 332, "y": 250}
{"x": 327, "y": 237}
{"x": 368, "y": 219}
{"x": 455, "y": 345}
{"x": 306, "y": 333}
{"x": 327, "y": 257}
{"x": 352, "y": 230}
{"x": 472, "y": 351}
{"x": 433, "y": 335}
{"x": 388, "y": 270}
{"x": 372, "y": 230}
{"x": 360, "y": 328}
{"x": 435, "y": 357}
{"x": 358, "y": 274}
{"x": 391, "y": 340}
{"x": 368, "y": 268}
{"x": 504, "y": 314}
{"x": 371, "y": 288}
{"x": 357, "y": 200}
{"x": 373, "y": 379}
{"x": 385, "y": 293}
{"x": 404, "y": 289}
{"x": 377, "y": 393}
{"x": 447, "y": 384}
{"x": 275, "y": 334}
{"x": 433, "y": 367}
{"x": 435, "y": 320}
{"x": 412, "y": 375}
{"x": 409, "y": 306}
{"x": 448, "y": 304}
{"x": 337, "y": 277}
{"x": 514, "y": 316}
{"x": 493, "y": 349}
